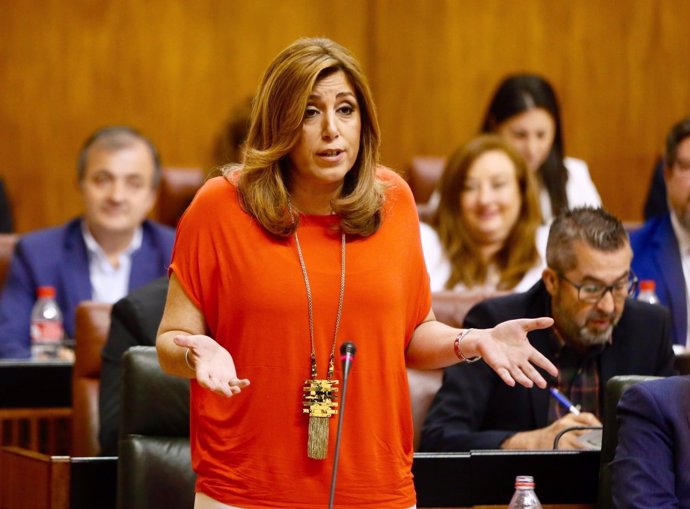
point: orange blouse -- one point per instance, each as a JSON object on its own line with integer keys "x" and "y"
{"x": 251, "y": 450}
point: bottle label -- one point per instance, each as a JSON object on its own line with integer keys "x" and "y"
{"x": 46, "y": 331}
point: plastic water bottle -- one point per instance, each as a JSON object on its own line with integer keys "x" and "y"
{"x": 46, "y": 325}
{"x": 524, "y": 496}
{"x": 648, "y": 291}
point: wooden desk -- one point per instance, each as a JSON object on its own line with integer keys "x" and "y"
{"x": 39, "y": 481}
{"x": 444, "y": 481}
{"x": 35, "y": 384}
{"x": 35, "y": 405}
{"x": 544, "y": 506}
{"x": 31, "y": 479}
{"x": 486, "y": 478}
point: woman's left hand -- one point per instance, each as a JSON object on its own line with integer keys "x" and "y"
{"x": 506, "y": 349}
{"x": 213, "y": 365}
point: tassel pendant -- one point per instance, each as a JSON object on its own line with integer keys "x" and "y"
{"x": 319, "y": 402}
{"x": 317, "y": 445}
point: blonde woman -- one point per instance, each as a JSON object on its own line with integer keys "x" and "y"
{"x": 310, "y": 243}
{"x": 485, "y": 234}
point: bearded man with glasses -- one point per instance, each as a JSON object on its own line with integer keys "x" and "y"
{"x": 599, "y": 332}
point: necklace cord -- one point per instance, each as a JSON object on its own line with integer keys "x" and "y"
{"x": 310, "y": 306}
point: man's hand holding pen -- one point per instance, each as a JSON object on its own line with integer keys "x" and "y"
{"x": 543, "y": 438}
{"x": 564, "y": 401}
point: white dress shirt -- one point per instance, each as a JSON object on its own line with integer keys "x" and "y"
{"x": 683, "y": 237}
{"x": 109, "y": 283}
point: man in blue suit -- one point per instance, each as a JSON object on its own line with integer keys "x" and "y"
{"x": 101, "y": 255}
{"x": 661, "y": 246}
{"x": 652, "y": 463}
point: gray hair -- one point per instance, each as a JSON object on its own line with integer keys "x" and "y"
{"x": 592, "y": 225}
{"x": 117, "y": 138}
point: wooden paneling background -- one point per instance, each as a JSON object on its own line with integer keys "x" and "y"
{"x": 176, "y": 69}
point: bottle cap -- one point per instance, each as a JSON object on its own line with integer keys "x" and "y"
{"x": 524, "y": 481}
{"x": 46, "y": 292}
{"x": 647, "y": 285}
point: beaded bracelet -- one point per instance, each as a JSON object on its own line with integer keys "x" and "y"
{"x": 458, "y": 351}
{"x": 186, "y": 360}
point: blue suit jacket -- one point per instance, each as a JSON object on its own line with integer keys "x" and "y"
{"x": 657, "y": 257}
{"x": 651, "y": 468}
{"x": 58, "y": 257}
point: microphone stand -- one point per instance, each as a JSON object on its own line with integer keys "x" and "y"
{"x": 347, "y": 350}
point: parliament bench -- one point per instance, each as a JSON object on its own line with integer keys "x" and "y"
{"x": 479, "y": 479}
{"x": 155, "y": 471}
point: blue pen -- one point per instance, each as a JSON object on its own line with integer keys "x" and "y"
{"x": 564, "y": 401}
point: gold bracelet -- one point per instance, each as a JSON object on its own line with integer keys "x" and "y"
{"x": 186, "y": 360}
{"x": 458, "y": 351}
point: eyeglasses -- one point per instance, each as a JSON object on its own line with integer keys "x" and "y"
{"x": 594, "y": 292}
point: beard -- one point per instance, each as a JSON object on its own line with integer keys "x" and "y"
{"x": 591, "y": 338}
{"x": 580, "y": 333}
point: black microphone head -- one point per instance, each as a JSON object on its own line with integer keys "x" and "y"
{"x": 348, "y": 348}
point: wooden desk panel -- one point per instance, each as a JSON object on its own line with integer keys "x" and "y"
{"x": 35, "y": 405}
{"x": 544, "y": 506}
{"x": 43, "y": 482}
{"x": 33, "y": 480}
{"x": 485, "y": 478}
{"x": 33, "y": 384}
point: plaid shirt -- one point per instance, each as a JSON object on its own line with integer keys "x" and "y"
{"x": 578, "y": 377}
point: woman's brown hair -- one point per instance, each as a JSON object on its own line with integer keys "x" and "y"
{"x": 519, "y": 253}
{"x": 277, "y": 114}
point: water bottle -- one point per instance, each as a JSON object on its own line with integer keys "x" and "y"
{"x": 524, "y": 496}
{"x": 46, "y": 325}
{"x": 648, "y": 291}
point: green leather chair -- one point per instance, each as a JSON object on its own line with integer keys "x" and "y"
{"x": 154, "y": 465}
{"x": 613, "y": 392}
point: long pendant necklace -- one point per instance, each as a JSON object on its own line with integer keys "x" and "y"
{"x": 319, "y": 395}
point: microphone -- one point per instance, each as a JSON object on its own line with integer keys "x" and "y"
{"x": 347, "y": 356}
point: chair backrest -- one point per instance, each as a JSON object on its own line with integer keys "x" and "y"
{"x": 612, "y": 394}
{"x": 423, "y": 173}
{"x": 92, "y": 322}
{"x": 449, "y": 308}
{"x": 682, "y": 363}
{"x": 176, "y": 190}
{"x": 154, "y": 465}
{"x": 631, "y": 226}
{"x": 7, "y": 243}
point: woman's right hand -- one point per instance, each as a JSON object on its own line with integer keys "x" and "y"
{"x": 213, "y": 364}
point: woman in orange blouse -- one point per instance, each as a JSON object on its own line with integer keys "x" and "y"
{"x": 307, "y": 244}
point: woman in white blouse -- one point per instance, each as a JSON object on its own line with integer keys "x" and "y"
{"x": 525, "y": 112}
{"x": 485, "y": 234}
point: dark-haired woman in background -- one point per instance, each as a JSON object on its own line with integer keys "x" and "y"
{"x": 525, "y": 112}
